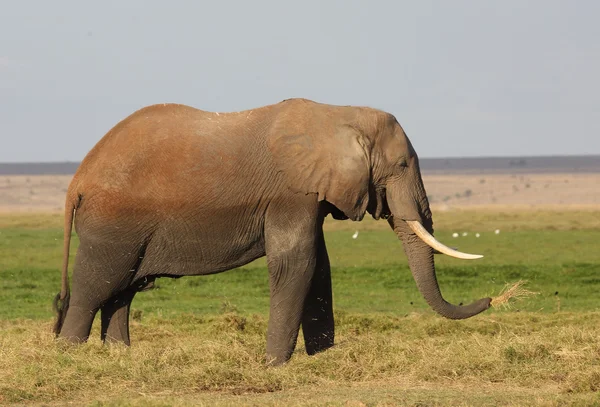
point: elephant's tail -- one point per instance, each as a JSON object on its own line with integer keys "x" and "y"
{"x": 61, "y": 301}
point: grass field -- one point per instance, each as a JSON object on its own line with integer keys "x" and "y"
{"x": 201, "y": 340}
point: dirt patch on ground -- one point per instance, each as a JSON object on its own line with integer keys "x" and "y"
{"x": 45, "y": 193}
{"x": 33, "y": 193}
{"x": 534, "y": 190}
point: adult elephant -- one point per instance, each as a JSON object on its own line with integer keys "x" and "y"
{"x": 174, "y": 191}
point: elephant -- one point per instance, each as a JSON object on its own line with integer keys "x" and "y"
{"x": 174, "y": 191}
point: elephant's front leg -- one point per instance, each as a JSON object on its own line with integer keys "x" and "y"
{"x": 290, "y": 275}
{"x": 291, "y": 248}
{"x": 317, "y": 320}
{"x": 115, "y": 318}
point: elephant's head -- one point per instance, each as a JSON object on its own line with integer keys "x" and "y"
{"x": 360, "y": 160}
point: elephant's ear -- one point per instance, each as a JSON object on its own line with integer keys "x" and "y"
{"x": 333, "y": 164}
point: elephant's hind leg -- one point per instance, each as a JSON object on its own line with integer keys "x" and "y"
{"x": 84, "y": 302}
{"x": 115, "y": 318}
{"x": 99, "y": 274}
{"x": 78, "y": 323}
{"x": 317, "y": 320}
{"x": 115, "y": 313}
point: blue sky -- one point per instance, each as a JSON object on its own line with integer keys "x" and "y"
{"x": 464, "y": 78}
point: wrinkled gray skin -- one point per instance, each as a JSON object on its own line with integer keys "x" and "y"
{"x": 175, "y": 191}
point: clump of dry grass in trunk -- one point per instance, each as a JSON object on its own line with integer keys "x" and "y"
{"x": 515, "y": 292}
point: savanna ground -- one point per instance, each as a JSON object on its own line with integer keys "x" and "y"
{"x": 201, "y": 340}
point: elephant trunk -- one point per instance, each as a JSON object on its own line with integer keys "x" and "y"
{"x": 412, "y": 222}
{"x": 422, "y": 266}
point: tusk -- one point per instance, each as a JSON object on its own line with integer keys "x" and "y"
{"x": 438, "y": 252}
{"x": 440, "y": 247}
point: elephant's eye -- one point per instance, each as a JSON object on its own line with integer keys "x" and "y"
{"x": 403, "y": 162}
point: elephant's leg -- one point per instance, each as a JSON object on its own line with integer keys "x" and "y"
{"x": 291, "y": 247}
{"x": 81, "y": 312}
{"x": 78, "y": 323}
{"x": 289, "y": 276}
{"x": 115, "y": 318}
{"x": 99, "y": 274}
{"x": 317, "y": 320}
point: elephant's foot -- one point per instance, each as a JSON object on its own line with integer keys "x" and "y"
{"x": 318, "y": 342}
{"x": 278, "y": 357}
{"x": 77, "y": 325}
{"x": 282, "y": 335}
{"x": 318, "y": 324}
{"x": 317, "y": 319}
{"x": 115, "y": 318}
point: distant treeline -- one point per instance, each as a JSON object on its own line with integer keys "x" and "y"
{"x": 577, "y": 164}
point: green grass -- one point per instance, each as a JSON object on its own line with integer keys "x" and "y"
{"x": 200, "y": 340}
{"x": 369, "y": 274}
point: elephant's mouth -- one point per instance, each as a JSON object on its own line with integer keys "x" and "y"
{"x": 378, "y": 206}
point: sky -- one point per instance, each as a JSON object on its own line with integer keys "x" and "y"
{"x": 463, "y": 78}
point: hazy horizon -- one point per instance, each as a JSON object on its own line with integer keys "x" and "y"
{"x": 422, "y": 158}
{"x": 465, "y": 79}
{"x": 582, "y": 164}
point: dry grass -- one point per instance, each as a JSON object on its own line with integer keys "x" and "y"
{"x": 512, "y": 358}
{"x": 188, "y": 360}
{"x": 514, "y": 292}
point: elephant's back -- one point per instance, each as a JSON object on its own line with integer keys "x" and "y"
{"x": 140, "y": 145}
{"x": 168, "y": 154}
